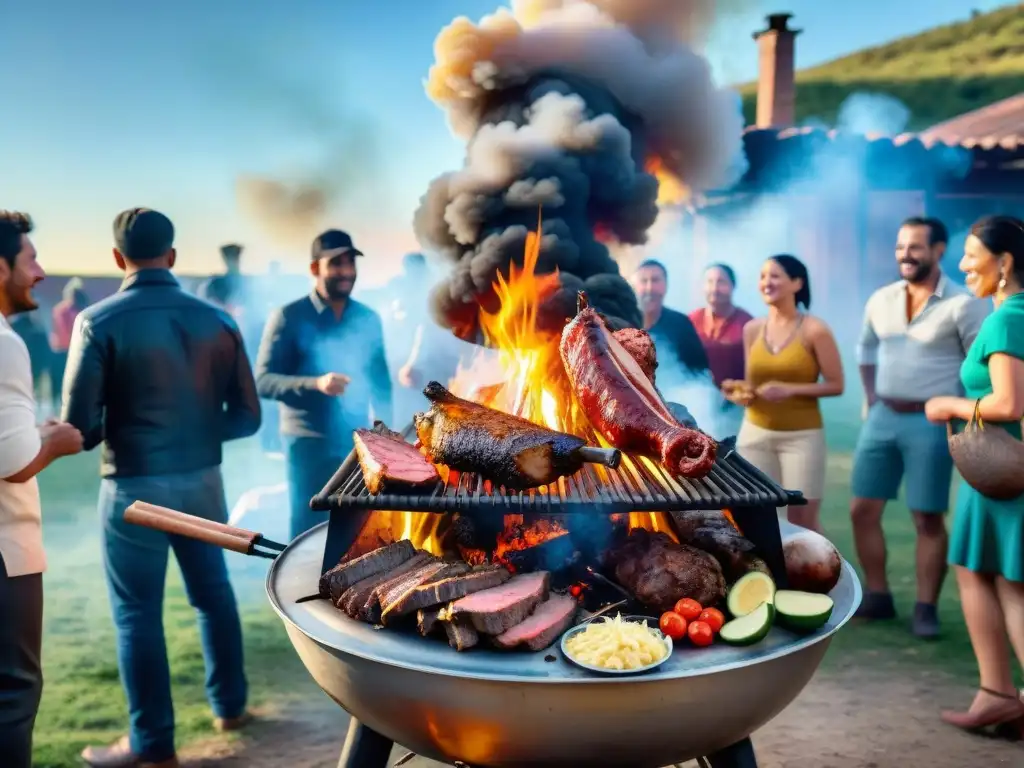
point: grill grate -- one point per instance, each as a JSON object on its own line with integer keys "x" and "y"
{"x": 638, "y": 485}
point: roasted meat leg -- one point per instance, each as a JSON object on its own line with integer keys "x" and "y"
{"x": 507, "y": 450}
{"x": 622, "y": 403}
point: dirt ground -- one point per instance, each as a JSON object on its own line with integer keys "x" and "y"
{"x": 845, "y": 719}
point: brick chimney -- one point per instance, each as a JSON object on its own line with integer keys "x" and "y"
{"x": 776, "y": 84}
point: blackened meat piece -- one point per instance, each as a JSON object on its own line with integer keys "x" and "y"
{"x": 712, "y": 532}
{"x": 545, "y": 625}
{"x": 498, "y": 609}
{"x": 370, "y": 609}
{"x": 428, "y": 620}
{"x": 658, "y": 572}
{"x": 395, "y": 598}
{"x": 355, "y": 597}
{"x": 461, "y": 634}
{"x": 452, "y": 588}
{"x": 342, "y": 576}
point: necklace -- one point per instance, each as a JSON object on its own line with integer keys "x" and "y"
{"x": 776, "y": 348}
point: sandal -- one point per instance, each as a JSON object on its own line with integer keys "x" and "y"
{"x": 1005, "y": 715}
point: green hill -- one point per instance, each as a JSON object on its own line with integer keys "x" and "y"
{"x": 938, "y": 74}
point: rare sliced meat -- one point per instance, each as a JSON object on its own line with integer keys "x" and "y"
{"x": 342, "y": 576}
{"x": 461, "y": 634}
{"x": 545, "y": 625}
{"x": 640, "y": 347}
{"x": 452, "y": 588}
{"x": 428, "y": 620}
{"x": 498, "y": 609}
{"x": 389, "y": 462}
{"x": 390, "y": 602}
{"x": 355, "y": 597}
{"x": 621, "y": 402}
{"x": 370, "y": 609}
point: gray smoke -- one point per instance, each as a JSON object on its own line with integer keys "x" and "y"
{"x": 563, "y": 105}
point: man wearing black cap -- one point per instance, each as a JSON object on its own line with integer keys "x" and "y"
{"x": 322, "y": 358}
{"x": 161, "y": 378}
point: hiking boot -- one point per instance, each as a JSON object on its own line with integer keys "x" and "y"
{"x": 877, "y": 606}
{"x": 120, "y": 755}
{"x": 926, "y": 621}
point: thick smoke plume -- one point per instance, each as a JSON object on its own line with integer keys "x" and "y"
{"x": 564, "y": 105}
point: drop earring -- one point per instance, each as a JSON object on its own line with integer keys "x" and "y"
{"x": 1002, "y": 283}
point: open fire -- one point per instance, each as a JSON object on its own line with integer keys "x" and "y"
{"x": 533, "y": 385}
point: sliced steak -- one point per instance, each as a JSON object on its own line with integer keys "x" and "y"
{"x": 428, "y": 620}
{"x": 355, "y": 597}
{"x": 390, "y": 602}
{"x": 388, "y": 462}
{"x": 451, "y": 588}
{"x": 545, "y": 625}
{"x": 461, "y": 634}
{"x": 371, "y": 609}
{"x": 342, "y": 576}
{"x": 498, "y": 609}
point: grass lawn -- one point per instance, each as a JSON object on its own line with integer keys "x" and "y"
{"x": 82, "y": 699}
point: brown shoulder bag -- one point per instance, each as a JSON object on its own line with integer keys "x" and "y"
{"x": 991, "y": 460}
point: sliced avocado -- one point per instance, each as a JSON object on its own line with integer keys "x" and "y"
{"x": 803, "y": 611}
{"x": 749, "y": 629}
{"x": 750, "y": 591}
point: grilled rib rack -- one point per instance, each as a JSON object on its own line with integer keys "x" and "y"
{"x": 637, "y": 485}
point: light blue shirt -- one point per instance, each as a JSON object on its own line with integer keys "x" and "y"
{"x": 919, "y": 359}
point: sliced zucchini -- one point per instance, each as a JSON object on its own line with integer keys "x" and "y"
{"x": 750, "y": 591}
{"x": 749, "y": 629}
{"x": 802, "y": 611}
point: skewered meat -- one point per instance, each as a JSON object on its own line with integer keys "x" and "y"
{"x": 498, "y": 609}
{"x": 710, "y": 531}
{"x": 507, "y": 450}
{"x": 640, "y": 347}
{"x": 388, "y": 461}
{"x": 545, "y": 625}
{"x": 622, "y": 403}
{"x": 658, "y": 572}
{"x": 342, "y": 576}
{"x": 448, "y": 589}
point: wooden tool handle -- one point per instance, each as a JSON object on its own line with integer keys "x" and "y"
{"x": 609, "y": 457}
{"x": 172, "y": 521}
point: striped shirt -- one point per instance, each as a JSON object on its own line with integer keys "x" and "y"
{"x": 920, "y": 359}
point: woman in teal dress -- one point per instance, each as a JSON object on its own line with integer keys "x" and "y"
{"x": 986, "y": 544}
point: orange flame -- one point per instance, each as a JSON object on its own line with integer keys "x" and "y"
{"x": 671, "y": 191}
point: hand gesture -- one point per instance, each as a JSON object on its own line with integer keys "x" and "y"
{"x": 333, "y": 384}
{"x": 64, "y": 439}
{"x": 738, "y": 392}
{"x": 774, "y": 391}
{"x": 940, "y": 410}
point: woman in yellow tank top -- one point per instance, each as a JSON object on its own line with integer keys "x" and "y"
{"x": 791, "y": 361}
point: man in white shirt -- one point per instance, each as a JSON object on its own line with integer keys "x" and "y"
{"x": 25, "y": 450}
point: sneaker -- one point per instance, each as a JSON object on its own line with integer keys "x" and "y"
{"x": 877, "y": 606}
{"x": 926, "y": 621}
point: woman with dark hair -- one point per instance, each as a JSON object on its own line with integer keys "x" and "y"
{"x": 986, "y": 544}
{"x": 791, "y": 361}
{"x": 719, "y": 324}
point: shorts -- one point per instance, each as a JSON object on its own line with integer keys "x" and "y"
{"x": 895, "y": 448}
{"x": 796, "y": 459}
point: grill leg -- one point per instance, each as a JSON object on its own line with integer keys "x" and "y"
{"x": 364, "y": 748}
{"x": 739, "y": 755}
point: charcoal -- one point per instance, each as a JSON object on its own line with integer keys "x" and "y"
{"x": 342, "y": 576}
{"x": 555, "y": 554}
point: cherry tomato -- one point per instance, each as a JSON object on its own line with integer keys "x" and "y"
{"x": 673, "y": 625}
{"x": 713, "y": 618}
{"x": 688, "y": 609}
{"x": 700, "y": 633}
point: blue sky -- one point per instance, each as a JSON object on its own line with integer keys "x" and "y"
{"x": 111, "y": 103}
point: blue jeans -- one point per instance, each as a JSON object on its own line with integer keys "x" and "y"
{"x": 135, "y": 559}
{"x": 311, "y": 463}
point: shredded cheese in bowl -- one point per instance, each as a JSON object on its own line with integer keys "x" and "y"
{"x": 617, "y": 644}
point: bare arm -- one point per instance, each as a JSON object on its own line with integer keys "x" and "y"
{"x": 823, "y": 347}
